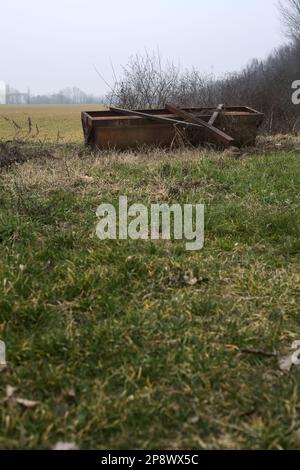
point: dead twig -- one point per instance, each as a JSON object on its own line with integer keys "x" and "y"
{"x": 259, "y": 352}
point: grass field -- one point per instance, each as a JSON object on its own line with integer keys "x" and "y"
{"x": 49, "y": 122}
{"x": 110, "y": 339}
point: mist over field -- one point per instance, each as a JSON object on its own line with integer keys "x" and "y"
{"x": 55, "y": 45}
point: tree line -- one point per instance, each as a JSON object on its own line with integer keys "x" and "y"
{"x": 71, "y": 95}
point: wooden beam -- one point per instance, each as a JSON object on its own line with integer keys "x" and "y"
{"x": 216, "y": 114}
{"x": 155, "y": 117}
{"x": 218, "y": 135}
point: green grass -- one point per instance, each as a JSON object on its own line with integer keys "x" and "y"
{"x": 154, "y": 363}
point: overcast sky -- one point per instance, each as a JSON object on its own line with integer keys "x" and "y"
{"x": 51, "y": 44}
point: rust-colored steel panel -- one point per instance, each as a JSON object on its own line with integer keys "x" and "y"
{"x": 113, "y": 129}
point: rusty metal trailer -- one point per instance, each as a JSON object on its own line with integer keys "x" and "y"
{"x": 122, "y": 128}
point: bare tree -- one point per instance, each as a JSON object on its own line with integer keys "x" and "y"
{"x": 290, "y": 11}
{"x": 145, "y": 83}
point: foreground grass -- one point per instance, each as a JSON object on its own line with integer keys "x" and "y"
{"x": 117, "y": 348}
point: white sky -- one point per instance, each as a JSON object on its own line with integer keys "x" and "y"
{"x": 51, "y": 44}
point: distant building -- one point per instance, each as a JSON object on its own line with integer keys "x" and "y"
{"x": 14, "y": 96}
{"x": 2, "y": 92}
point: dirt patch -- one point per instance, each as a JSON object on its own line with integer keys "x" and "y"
{"x": 16, "y": 152}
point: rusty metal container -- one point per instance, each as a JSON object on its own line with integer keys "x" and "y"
{"x": 113, "y": 129}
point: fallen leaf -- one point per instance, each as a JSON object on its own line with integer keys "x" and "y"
{"x": 190, "y": 281}
{"x": 71, "y": 393}
{"x": 86, "y": 179}
{"x": 285, "y": 363}
{"x": 65, "y": 446}
{"x": 10, "y": 391}
{"x": 295, "y": 356}
{"x": 194, "y": 420}
{"x": 49, "y": 265}
{"x": 232, "y": 347}
{"x": 27, "y": 403}
{"x": 10, "y": 398}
